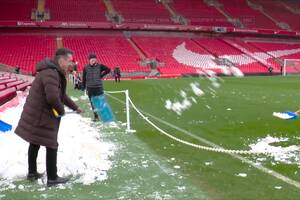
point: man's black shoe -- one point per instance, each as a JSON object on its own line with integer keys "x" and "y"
{"x": 58, "y": 180}
{"x": 34, "y": 176}
{"x": 95, "y": 119}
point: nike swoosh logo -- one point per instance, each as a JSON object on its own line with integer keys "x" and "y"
{"x": 187, "y": 57}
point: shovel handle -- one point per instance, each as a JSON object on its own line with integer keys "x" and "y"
{"x": 57, "y": 115}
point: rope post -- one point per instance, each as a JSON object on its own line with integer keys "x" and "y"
{"x": 128, "y": 129}
{"x": 127, "y": 110}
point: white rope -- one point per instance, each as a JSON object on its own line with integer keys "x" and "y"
{"x": 233, "y": 153}
{"x": 213, "y": 149}
{"x": 114, "y": 92}
{"x": 221, "y": 150}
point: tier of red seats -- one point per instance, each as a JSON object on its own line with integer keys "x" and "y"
{"x": 3, "y": 78}
{"x": 15, "y": 83}
{"x": 280, "y": 13}
{"x": 23, "y": 86}
{"x": 152, "y": 12}
{"x": 261, "y": 54}
{"x": 16, "y": 9}
{"x": 199, "y": 13}
{"x": 146, "y": 11}
{"x": 111, "y": 50}
{"x": 25, "y": 51}
{"x": 248, "y": 16}
{"x": 9, "y": 86}
{"x": 7, "y": 81}
{"x": 217, "y": 47}
{"x": 220, "y": 49}
{"x": 293, "y": 4}
{"x": 273, "y": 48}
{"x": 76, "y": 10}
{"x": 161, "y": 49}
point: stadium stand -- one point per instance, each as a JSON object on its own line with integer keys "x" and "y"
{"x": 16, "y": 10}
{"x": 111, "y": 50}
{"x": 293, "y": 4}
{"x": 275, "y": 63}
{"x": 280, "y": 13}
{"x": 249, "y": 17}
{"x": 25, "y": 50}
{"x": 222, "y": 50}
{"x": 186, "y": 53}
{"x": 152, "y": 46}
{"x": 200, "y": 13}
{"x": 148, "y": 11}
{"x": 279, "y": 50}
{"x": 76, "y": 10}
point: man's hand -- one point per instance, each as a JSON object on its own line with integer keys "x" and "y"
{"x": 79, "y": 110}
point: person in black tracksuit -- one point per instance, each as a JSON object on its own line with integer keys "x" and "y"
{"x": 92, "y": 79}
{"x": 117, "y": 74}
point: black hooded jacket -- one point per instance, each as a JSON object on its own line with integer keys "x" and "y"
{"x": 92, "y": 75}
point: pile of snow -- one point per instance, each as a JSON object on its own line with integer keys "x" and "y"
{"x": 81, "y": 153}
{"x": 287, "y": 155}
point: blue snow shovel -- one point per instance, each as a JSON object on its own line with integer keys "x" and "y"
{"x": 288, "y": 115}
{"x": 102, "y": 108}
{"x": 4, "y": 126}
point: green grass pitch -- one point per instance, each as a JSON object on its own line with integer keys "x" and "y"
{"x": 148, "y": 165}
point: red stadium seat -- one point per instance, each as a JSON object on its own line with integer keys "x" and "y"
{"x": 6, "y": 81}
{"x": 7, "y": 94}
{"x": 2, "y": 87}
{"x": 13, "y": 84}
{"x": 23, "y": 86}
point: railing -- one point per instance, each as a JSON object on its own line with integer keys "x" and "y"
{"x": 142, "y": 26}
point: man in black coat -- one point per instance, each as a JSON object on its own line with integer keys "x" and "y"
{"x": 38, "y": 124}
{"x": 92, "y": 79}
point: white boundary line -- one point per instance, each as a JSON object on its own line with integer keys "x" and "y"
{"x": 244, "y": 160}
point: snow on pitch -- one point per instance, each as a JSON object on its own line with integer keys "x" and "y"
{"x": 280, "y": 154}
{"x": 81, "y": 153}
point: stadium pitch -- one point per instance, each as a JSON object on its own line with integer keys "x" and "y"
{"x": 149, "y": 165}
